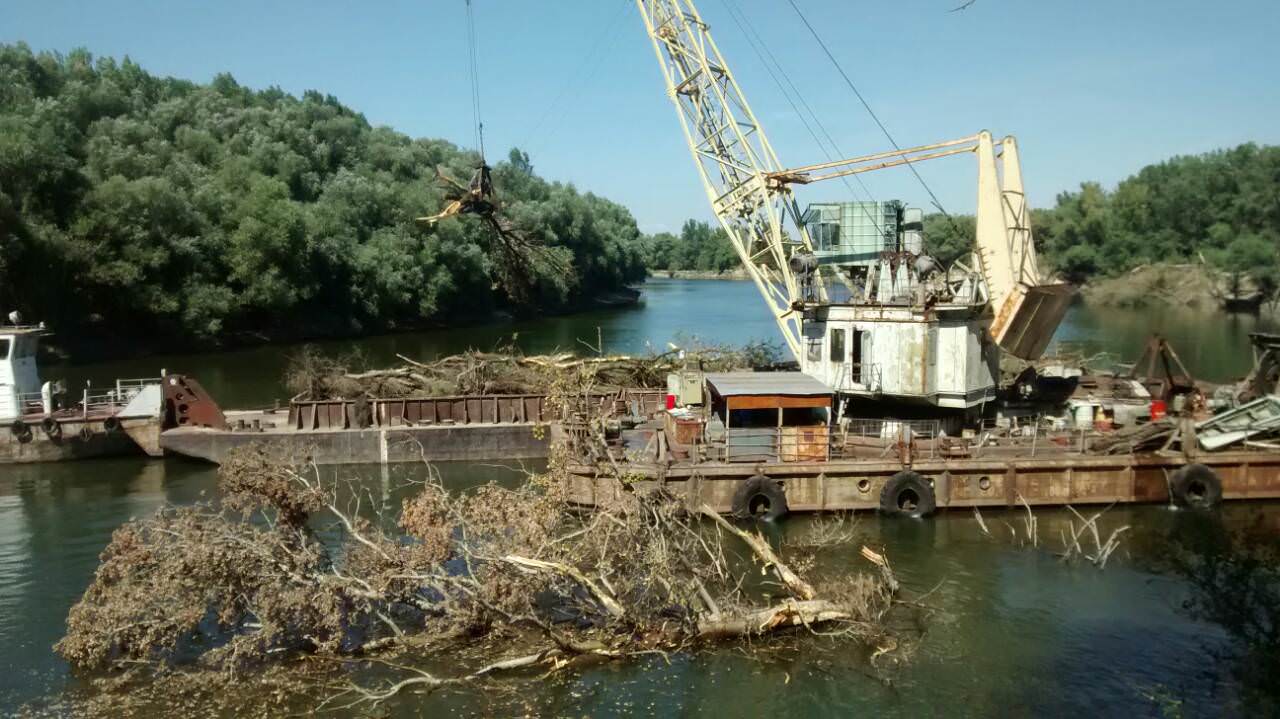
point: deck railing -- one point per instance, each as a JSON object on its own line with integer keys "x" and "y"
{"x": 482, "y": 409}
{"x": 919, "y": 437}
{"x": 773, "y": 444}
{"x": 30, "y": 403}
{"x": 127, "y": 389}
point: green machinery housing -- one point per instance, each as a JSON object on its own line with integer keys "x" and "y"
{"x": 858, "y": 233}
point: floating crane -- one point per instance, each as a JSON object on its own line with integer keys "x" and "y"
{"x": 909, "y": 331}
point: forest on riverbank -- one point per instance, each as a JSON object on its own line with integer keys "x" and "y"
{"x": 699, "y": 247}
{"x": 1220, "y": 210}
{"x": 137, "y": 206}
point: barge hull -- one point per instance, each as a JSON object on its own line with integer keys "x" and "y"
{"x": 80, "y": 439}
{"x": 857, "y": 485}
{"x": 371, "y": 446}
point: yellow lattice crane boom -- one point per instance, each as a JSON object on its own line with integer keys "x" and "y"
{"x": 736, "y": 163}
{"x": 750, "y": 193}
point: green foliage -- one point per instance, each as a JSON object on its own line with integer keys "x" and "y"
{"x": 949, "y": 238}
{"x": 1220, "y": 207}
{"x": 699, "y": 247}
{"x": 144, "y": 206}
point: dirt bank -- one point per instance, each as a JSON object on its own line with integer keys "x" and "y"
{"x": 734, "y": 274}
{"x": 1189, "y": 285}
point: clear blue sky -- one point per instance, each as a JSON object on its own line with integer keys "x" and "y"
{"x": 1094, "y": 89}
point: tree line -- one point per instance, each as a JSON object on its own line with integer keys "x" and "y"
{"x": 699, "y": 246}
{"x": 147, "y": 206}
{"x": 1220, "y": 208}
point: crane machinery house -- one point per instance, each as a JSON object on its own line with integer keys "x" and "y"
{"x": 903, "y": 329}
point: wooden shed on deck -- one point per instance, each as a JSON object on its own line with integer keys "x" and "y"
{"x": 770, "y": 416}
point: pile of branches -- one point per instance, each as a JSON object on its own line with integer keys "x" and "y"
{"x": 312, "y": 376}
{"x": 281, "y": 577}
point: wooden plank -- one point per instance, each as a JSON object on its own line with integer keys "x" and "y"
{"x": 775, "y": 402}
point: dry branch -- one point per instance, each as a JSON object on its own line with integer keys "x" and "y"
{"x": 608, "y": 602}
{"x": 765, "y": 553}
{"x": 882, "y": 561}
{"x": 316, "y": 377}
{"x": 763, "y": 621}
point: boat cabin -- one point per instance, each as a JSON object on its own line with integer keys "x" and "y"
{"x": 19, "y": 376}
{"x": 768, "y": 416}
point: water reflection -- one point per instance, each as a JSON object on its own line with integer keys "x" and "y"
{"x": 1010, "y": 629}
{"x": 1213, "y": 345}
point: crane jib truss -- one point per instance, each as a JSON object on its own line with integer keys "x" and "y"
{"x": 735, "y": 161}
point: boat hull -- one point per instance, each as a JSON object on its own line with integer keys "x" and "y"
{"x": 856, "y": 484}
{"x": 80, "y": 439}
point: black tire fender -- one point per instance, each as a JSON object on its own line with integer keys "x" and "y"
{"x": 20, "y": 430}
{"x": 1195, "y": 485}
{"x": 907, "y": 494}
{"x": 52, "y": 428}
{"x": 760, "y": 497}
{"x": 86, "y": 433}
{"x": 111, "y": 424}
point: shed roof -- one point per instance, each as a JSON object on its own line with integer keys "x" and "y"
{"x": 738, "y": 384}
{"x": 23, "y": 331}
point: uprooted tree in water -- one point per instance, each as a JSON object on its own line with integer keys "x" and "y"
{"x": 284, "y": 584}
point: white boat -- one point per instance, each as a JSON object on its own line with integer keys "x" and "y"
{"x": 40, "y": 422}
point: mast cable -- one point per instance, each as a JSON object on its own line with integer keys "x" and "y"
{"x": 585, "y": 72}
{"x": 848, "y": 81}
{"x": 757, "y": 42}
{"x": 476, "y": 115}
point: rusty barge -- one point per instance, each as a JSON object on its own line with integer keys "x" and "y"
{"x": 769, "y": 443}
{"x": 387, "y": 431}
{"x": 766, "y": 445}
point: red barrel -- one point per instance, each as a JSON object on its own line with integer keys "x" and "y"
{"x": 671, "y": 401}
{"x": 1158, "y": 409}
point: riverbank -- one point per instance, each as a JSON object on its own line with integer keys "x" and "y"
{"x": 1193, "y": 286}
{"x": 734, "y": 274}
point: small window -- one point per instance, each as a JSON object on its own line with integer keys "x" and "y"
{"x": 4, "y": 348}
{"x": 815, "y": 349}
{"x": 858, "y": 341}
{"x": 837, "y": 345}
{"x": 828, "y": 236}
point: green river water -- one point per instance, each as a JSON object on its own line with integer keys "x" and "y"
{"x": 1013, "y": 631}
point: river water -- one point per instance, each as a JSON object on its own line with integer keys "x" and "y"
{"x": 1012, "y": 630}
